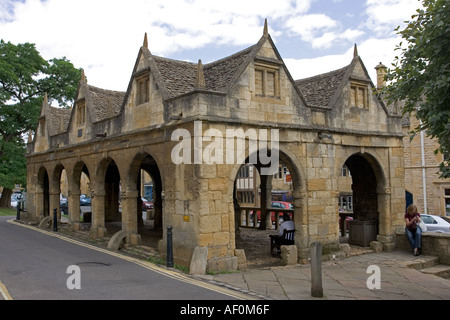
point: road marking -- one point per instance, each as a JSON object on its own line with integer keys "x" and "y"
{"x": 4, "y": 292}
{"x": 145, "y": 264}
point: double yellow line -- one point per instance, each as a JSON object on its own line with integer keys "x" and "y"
{"x": 4, "y": 292}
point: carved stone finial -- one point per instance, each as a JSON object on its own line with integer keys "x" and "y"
{"x": 145, "y": 41}
{"x": 266, "y": 28}
{"x": 355, "y": 51}
{"x": 200, "y": 78}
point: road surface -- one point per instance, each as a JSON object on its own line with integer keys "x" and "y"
{"x": 42, "y": 265}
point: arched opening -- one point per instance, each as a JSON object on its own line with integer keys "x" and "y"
{"x": 57, "y": 180}
{"x": 145, "y": 178}
{"x": 112, "y": 193}
{"x": 260, "y": 202}
{"x": 80, "y": 199}
{"x": 366, "y": 183}
{"x": 43, "y": 193}
{"x": 106, "y": 199}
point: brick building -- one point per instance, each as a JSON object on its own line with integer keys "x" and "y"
{"x": 422, "y": 183}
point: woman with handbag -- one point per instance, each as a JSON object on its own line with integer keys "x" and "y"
{"x": 413, "y": 231}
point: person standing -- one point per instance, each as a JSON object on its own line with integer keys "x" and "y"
{"x": 413, "y": 231}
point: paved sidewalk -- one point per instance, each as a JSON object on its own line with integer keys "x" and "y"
{"x": 344, "y": 279}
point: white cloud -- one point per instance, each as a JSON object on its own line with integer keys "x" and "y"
{"x": 371, "y": 51}
{"x": 386, "y": 15}
{"x": 104, "y": 36}
{"x": 321, "y": 31}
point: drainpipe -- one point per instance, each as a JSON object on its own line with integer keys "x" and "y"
{"x": 424, "y": 177}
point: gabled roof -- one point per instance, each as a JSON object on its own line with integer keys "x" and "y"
{"x": 101, "y": 104}
{"x": 323, "y": 90}
{"x": 319, "y": 90}
{"x": 180, "y": 77}
{"x": 58, "y": 119}
{"x": 177, "y": 78}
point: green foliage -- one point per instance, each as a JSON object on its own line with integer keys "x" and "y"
{"x": 421, "y": 74}
{"x": 24, "y": 79}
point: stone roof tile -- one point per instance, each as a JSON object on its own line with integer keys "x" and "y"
{"x": 319, "y": 90}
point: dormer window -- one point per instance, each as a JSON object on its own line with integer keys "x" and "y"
{"x": 359, "y": 95}
{"x": 142, "y": 92}
{"x": 81, "y": 113}
{"x": 267, "y": 81}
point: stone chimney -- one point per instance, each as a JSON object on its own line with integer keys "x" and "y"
{"x": 381, "y": 75}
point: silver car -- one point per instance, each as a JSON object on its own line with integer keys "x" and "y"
{"x": 435, "y": 223}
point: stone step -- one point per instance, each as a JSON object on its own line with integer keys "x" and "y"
{"x": 422, "y": 262}
{"x": 439, "y": 270}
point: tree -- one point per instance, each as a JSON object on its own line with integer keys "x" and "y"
{"x": 421, "y": 75}
{"x": 24, "y": 79}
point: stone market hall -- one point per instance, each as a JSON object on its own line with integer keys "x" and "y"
{"x": 323, "y": 123}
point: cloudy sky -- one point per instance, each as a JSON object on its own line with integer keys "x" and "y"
{"x": 104, "y": 36}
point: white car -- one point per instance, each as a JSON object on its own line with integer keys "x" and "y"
{"x": 435, "y": 223}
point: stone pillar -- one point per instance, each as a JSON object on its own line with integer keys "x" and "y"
{"x": 386, "y": 232}
{"x": 74, "y": 208}
{"x": 98, "y": 215}
{"x": 54, "y": 203}
{"x": 129, "y": 216}
{"x": 39, "y": 205}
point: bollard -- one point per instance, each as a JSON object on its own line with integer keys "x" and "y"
{"x": 169, "y": 247}
{"x": 55, "y": 220}
{"x": 316, "y": 270}
{"x": 18, "y": 212}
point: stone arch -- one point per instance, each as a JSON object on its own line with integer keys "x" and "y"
{"x": 370, "y": 191}
{"x": 105, "y": 195}
{"x": 143, "y": 161}
{"x": 55, "y": 189}
{"x": 299, "y": 199}
{"x": 43, "y": 193}
{"x": 74, "y": 192}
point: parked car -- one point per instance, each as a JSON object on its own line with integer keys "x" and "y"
{"x": 85, "y": 200}
{"x": 282, "y": 205}
{"x": 146, "y": 205}
{"x": 278, "y": 205}
{"x": 64, "y": 206}
{"x": 15, "y": 198}
{"x": 435, "y": 223}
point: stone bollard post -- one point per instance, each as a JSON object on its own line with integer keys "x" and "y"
{"x": 316, "y": 270}
{"x": 55, "y": 220}
{"x": 169, "y": 247}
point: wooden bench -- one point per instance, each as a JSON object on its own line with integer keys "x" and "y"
{"x": 277, "y": 241}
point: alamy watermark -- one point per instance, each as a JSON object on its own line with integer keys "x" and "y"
{"x": 374, "y": 281}
{"x": 227, "y": 148}
{"x": 74, "y": 280}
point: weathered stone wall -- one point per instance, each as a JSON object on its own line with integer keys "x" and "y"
{"x": 433, "y": 243}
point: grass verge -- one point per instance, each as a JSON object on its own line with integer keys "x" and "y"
{"x": 8, "y": 212}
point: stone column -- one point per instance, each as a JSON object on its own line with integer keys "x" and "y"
{"x": 98, "y": 215}
{"x": 129, "y": 216}
{"x": 54, "y": 203}
{"x": 74, "y": 208}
